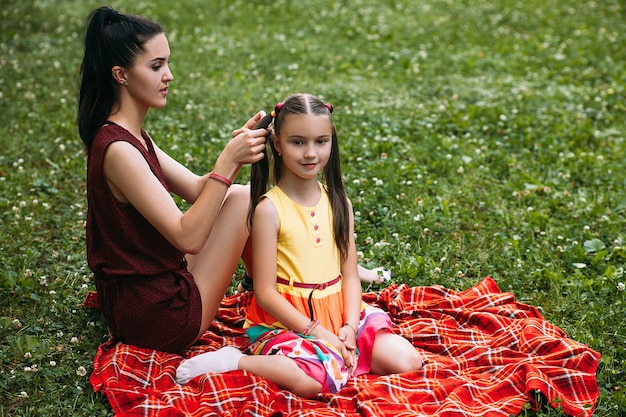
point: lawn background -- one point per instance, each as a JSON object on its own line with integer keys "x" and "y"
{"x": 478, "y": 138}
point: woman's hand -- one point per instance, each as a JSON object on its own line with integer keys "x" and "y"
{"x": 246, "y": 147}
{"x": 250, "y": 123}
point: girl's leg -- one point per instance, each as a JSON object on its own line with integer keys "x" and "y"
{"x": 214, "y": 265}
{"x": 283, "y": 371}
{"x": 393, "y": 354}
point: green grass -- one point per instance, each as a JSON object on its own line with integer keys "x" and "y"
{"x": 478, "y": 138}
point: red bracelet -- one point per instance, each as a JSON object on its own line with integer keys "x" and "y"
{"x": 221, "y": 179}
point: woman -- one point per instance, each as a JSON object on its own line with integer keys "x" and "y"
{"x": 160, "y": 273}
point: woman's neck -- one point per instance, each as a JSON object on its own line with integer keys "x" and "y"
{"x": 130, "y": 118}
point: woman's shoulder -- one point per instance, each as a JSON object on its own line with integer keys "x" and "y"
{"x": 110, "y": 133}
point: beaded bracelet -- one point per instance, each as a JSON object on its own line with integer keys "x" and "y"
{"x": 221, "y": 179}
{"x": 350, "y": 326}
{"x": 309, "y": 327}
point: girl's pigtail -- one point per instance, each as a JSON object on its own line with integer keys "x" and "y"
{"x": 338, "y": 198}
{"x": 259, "y": 171}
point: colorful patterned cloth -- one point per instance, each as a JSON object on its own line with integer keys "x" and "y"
{"x": 318, "y": 358}
{"x": 486, "y": 355}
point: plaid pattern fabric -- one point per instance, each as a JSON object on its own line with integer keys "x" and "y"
{"x": 485, "y": 355}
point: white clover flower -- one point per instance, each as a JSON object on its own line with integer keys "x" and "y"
{"x": 27, "y": 369}
{"x": 53, "y": 363}
{"x": 437, "y": 270}
{"x": 28, "y": 355}
{"x": 360, "y": 255}
{"x": 395, "y": 235}
{"x": 59, "y": 333}
{"x": 460, "y": 170}
{"x": 586, "y": 228}
{"x": 74, "y": 340}
{"x": 621, "y": 286}
{"x": 460, "y": 274}
{"x": 23, "y": 394}
{"x": 16, "y": 323}
{"x": 81, "y": 371}
{"x": 407, "y": 246}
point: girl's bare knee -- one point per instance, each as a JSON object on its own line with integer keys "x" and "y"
{"x": 414, "y": 362}
{"x": 306, "y": 387}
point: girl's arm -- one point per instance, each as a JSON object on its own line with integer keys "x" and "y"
{"x": 132, "y": 181}
{"x": 351, "y": 293}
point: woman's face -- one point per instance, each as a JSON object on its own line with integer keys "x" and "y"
{"x": 147, "y": 80}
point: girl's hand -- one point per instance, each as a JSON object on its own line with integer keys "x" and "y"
{"x": 347, "y": 350}
{"x": 348, "y": 338}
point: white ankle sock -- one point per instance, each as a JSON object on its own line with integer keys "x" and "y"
{"x": 222, "y": 360}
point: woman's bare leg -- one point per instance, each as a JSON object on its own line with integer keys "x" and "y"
{"x": 214, "y": 265}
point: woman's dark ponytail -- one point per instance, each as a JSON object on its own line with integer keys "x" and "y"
{"x": 111, "y": 38}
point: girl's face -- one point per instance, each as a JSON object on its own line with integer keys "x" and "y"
{"x": 148, "y": 79}
{"x": 305, "y": 143}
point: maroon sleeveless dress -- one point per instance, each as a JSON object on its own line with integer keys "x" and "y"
{"x": 145, "y": 292}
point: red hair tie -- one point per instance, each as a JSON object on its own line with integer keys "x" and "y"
{"x": 330, "y": 107}
{"x": 276, "y": 109}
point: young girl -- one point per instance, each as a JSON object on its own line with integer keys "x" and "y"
{"x": 160, "y": 273}
{"x": 307, "y": 315}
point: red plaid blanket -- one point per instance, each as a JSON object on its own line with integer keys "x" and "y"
{"x": 486, "y": 355}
